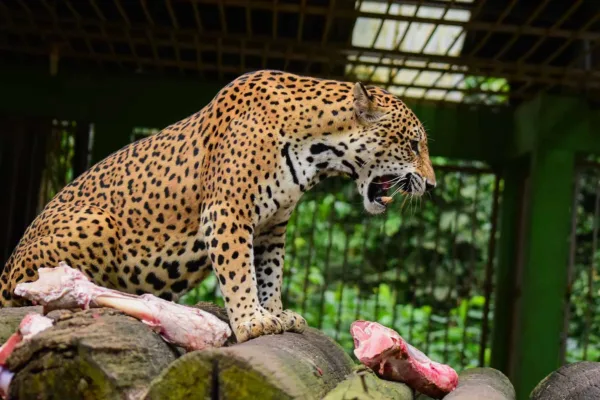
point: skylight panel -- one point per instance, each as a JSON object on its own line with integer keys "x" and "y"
{"x": 408, "y": 64}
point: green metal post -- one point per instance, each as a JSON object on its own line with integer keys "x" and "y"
{"x": 532, "y": 274}
{"x": 544, "y": 272}
{"x": 508, "y": 245}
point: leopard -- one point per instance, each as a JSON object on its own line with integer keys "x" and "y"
{"x": 213, "y": 193}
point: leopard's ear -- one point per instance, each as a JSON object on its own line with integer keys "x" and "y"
{"x": 364, "y": 105}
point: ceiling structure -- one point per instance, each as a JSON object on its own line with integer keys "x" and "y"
{"x": 491, "y": 52}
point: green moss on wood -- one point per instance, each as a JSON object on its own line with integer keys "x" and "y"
{"x": 366, "y": 385}
{"x": 75, "y": 379}
{"x": 287, "y": 366}
{"x": 186, "y": 378}
{"x": 238, "y": 379}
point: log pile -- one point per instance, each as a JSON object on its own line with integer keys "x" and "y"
{"x": 104, "y": 354}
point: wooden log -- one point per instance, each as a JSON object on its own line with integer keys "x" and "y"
{"x": 94, "y": 354}
{"x": 286, "y": 366}
{"x": 365, "y": 385}
{"x": 480, "y": 383}
{"x": 580, "y": 380}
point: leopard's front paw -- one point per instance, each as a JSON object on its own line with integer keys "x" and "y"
{"x": 292, "y": 322}
{"x": 258, "y": 324}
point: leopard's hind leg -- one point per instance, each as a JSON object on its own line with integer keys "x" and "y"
{"x": 85, "y": 237}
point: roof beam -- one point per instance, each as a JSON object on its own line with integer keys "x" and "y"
{"x": 522, "y": 72}
{"x": 354, "y": 14}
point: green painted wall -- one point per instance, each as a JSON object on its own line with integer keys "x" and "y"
{"x": 566, "y": 123}
{"x": 114, "y": 102}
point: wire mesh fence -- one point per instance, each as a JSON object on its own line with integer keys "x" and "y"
{"x": 582, "y": 321}
{"x": 38, "y": 157}
{"x": 59, "y": 154}
{"x": 424, "y": 268}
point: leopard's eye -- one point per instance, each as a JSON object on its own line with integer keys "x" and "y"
{"x": 414, "y": 145}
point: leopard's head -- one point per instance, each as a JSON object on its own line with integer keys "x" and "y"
{"x": 396, "y": 142}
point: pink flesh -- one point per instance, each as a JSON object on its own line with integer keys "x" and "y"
{"x": 65, "y": 287}
{"x": 30, "y": 325}
{"x": 392, "y": 358}
{"x": 8, "y": 347}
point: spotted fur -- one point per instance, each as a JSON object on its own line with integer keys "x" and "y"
{"x": 217, "y": 189}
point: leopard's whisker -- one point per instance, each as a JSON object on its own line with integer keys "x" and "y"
{"x": 403, "y": 204}
{"x": 395, "y": 180}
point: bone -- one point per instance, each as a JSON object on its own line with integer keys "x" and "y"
{"x": 63, "y": 287}
{"x": 5, "y": 379}
{"x": 30, "y": 325}
{"x": 392, "y": 358}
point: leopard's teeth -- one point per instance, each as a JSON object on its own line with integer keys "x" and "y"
{"x": 384, "y": 200}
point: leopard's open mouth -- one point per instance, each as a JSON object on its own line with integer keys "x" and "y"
{"x": 379, "y": 188}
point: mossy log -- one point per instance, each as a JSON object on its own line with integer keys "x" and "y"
{"x": 580, "y": 380}
{"x": 365, "y": 385}
{"x": 94, "y": 354}
{"x": 480, "y": 383}
{"x": 287, "y": 366}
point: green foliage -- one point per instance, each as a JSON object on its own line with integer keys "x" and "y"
{"x": 493, "y": 91}
{"x": 58, "y": 171}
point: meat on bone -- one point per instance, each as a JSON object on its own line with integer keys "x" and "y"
{"x": 30, "y": 325}
{"x": 392, "y": 358}
{"x": 64, "y": 287}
